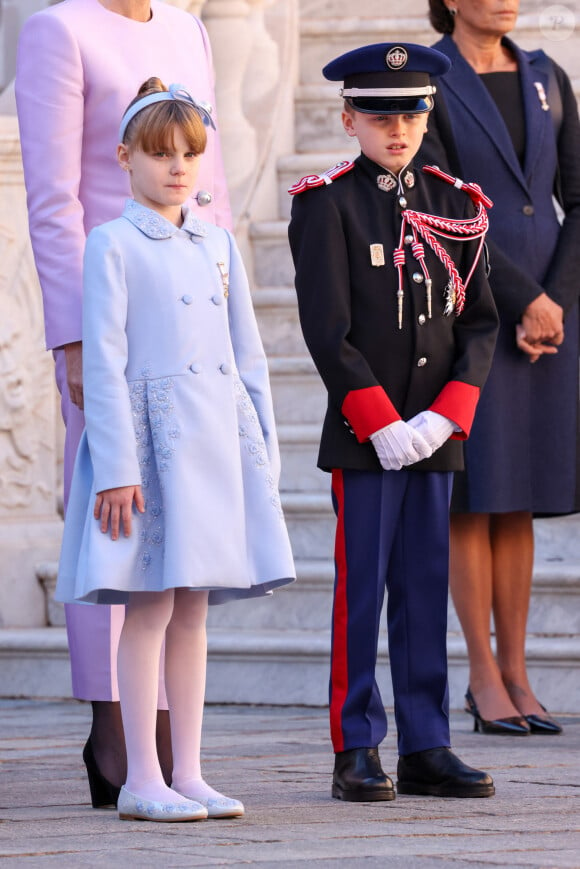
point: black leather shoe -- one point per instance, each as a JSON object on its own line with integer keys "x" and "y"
{"x": 437, "y": 772}
{"x": 359, "y": 778}
{"x": 103, "y": 793}
{"x": 543, "y": 724}
{"x": 514, "y": 726}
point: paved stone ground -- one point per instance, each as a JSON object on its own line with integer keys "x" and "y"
{"x": 278, "y": 761}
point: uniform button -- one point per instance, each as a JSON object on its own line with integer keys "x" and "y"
{"x": 195, "y": 368}
{"x": 421, "y": 362}
{"x": 408, "y": 239}
{"x": 402, "y": 202}
{"x": 204, "y": 197}
{"x": 421, "y": 319}
{"x": 187, "y": 299}
{"x": 217, "y": 299}
{"x": 225, "y": 368}
{"x": 418, "y": 277}
{"x": 528, "y": 210}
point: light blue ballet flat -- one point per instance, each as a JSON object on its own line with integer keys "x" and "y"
{"x": 219, "y": 807}
{"x": 134, "y": 808}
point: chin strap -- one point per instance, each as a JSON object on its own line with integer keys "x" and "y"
{"x": 427, "y": 226}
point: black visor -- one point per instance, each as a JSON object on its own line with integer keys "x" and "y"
{"x": 391, "y": 105}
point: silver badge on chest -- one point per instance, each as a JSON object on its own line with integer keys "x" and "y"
{"x": 386, "y": 183}
{"x": 377, "y": 255}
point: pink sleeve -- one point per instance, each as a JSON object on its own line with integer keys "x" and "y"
{"x": 50, "y": 102}
{"x": 223, "y": 215}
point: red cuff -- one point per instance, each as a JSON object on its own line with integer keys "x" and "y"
{"x": 368, "y": 410}
{"x": 458, "y": 401}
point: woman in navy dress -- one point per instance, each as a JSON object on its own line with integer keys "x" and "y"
{"x": 508, "y": 119}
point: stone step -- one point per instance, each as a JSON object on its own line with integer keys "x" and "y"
{"x": 554, "y": 605}
{"x": 323, "y": 39}
{"x": 277, "y": 315}
{"x": 276, "y": 667}
{"x": 310, "y": 521}
{"x": 298, "y": 393}
{"x": 273, "y": 265}
{"x": 326, "y": 36}
{"x": 299, "y": 449}
{"x": 318, "y": 124}
{"x": 367, "y": 9}
{"x": 306, "y": 605}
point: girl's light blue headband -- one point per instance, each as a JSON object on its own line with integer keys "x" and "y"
{"x": 175, "y": 92}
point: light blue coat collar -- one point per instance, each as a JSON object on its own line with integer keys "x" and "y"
{"x": 155, "y": 226}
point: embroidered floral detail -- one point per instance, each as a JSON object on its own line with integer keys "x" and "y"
{"x": 251, "y": 435}
{"x": 155, "y": 226}
{"x": 155, "y": 432}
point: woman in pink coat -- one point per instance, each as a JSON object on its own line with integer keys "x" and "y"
{"x": 79, "y": 64}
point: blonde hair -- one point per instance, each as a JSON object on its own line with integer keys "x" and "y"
{"x": 152, "y": 128}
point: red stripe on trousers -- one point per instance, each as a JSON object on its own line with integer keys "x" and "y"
{"x": 339, "y": 666}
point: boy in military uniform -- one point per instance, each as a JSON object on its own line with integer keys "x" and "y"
{"x": 398, "y": 316}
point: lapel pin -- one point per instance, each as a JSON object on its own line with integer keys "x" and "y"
{"x": 542, "y": 96}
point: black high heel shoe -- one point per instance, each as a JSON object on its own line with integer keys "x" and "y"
{"x": 103, "y": 793}
{"x": 538, "y": 724}
{"x": 514, "y": 726}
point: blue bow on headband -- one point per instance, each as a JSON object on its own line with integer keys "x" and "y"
{"x": 175, "y": 92}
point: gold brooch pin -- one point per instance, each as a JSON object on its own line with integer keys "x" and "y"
{"x": 225, "y": 278}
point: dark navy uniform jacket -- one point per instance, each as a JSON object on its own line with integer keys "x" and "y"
{"x": 376, "y": 373}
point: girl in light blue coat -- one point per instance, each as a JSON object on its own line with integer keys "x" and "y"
{"x": 174, "y": 501}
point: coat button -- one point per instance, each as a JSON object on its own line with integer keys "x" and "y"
{"x": 528, "y": 210}
{"x": 225, "y": 368}
{"x": 418, "y": 277}
{"x": 402, "y": 202}
{"x": 187, "y": 299}
{"x": 195, "y": 368}
{"x": 421, "y": 362}
{"x": 421, "y": 319}
{"x": 408, "y": 239}
{"x": 204, "y": 197}
{"x": 217, "y": 299}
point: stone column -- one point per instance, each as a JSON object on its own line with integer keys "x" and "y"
{"x": 231, "y": 36}
{"x": 30, "y": 527}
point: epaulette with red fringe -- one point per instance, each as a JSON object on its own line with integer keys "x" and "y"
{"x": 327, "y": 177}
{"x": 472, "y": 189}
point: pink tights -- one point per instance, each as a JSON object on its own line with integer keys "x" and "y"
{"x": 179, "y": 617}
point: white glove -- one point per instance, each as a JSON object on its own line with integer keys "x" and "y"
{"x": 399, "y": 444}
{"x": 436, "y": 429}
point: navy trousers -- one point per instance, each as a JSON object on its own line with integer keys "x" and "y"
{"x": 392, "y": 533}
